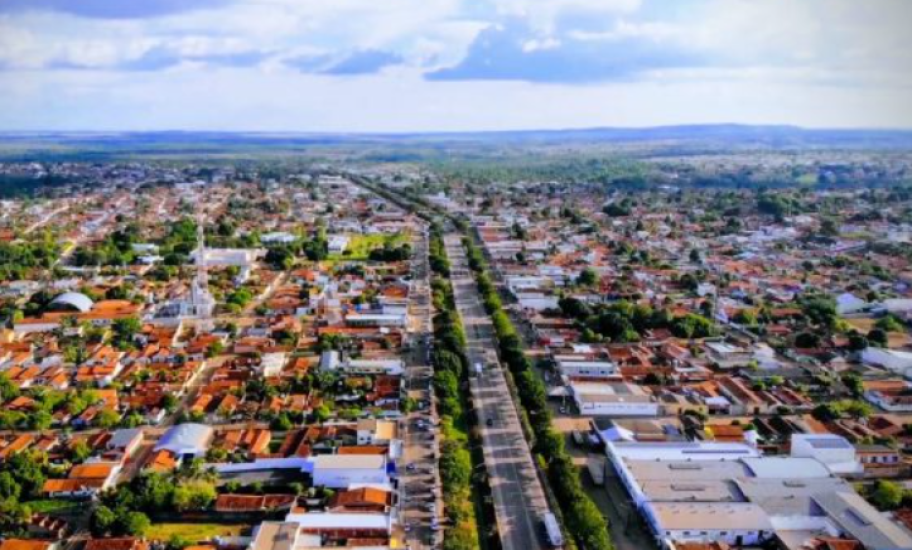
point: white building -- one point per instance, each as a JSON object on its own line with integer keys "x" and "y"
{"x": 186, "y": 440}
{"x": 277, "y": 237}
{"x": 271, "y": 364}
{"x": 337, "y": 244}
{"x": 832, "y": 450}
{"x": 899, "y": 362}
{"x": 375, "y": 319}
{"x": 344, "y": 471}
{"x": 721, "y": 492}
{"x": 574, "y": 366}
{"x": 613, "y": 399}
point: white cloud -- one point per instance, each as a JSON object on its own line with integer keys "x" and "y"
{"x": 538, "y": 44}
{"x": 814, "y": 62}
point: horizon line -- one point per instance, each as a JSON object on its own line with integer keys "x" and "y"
{"x": 392, "y": 133}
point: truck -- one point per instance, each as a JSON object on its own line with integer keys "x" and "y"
{"x": 552, "y": 530}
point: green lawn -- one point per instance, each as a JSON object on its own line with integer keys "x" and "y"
{"x": 194, "y": 532}
{"x": 50, "y": 506}
{"x": 359, "y": 246}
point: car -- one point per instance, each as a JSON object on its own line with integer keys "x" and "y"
{"x": 411, "y": 467}
{"x": 489, "y": 422}
{"x": 563, "y": 410}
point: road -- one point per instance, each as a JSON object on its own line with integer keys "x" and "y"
{"x": 420, "y": 496}
{"x": 47, "y": 218}
{"x": 519, "y": 500}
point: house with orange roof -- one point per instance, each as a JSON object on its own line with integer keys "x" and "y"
{"x": 28, "y": 544}
{"x": 84, "y": 480}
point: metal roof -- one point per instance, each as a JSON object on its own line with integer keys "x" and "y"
{"x": 863, "y": 522}
{"x": 185, "y": 436}
{"x": 787, "y": 467}
{"x": 77, "y": 300}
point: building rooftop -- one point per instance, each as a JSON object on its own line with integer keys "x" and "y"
{"x": 786, "y": 467}
{"x": 711, "y": 516}
{"x": 75, "y": 300}
{"x": 863, "y": 522}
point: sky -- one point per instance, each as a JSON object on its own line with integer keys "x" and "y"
{"x": 452, "y": 65}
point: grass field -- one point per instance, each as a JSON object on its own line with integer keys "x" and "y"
{"x": 194, "y": 532}
{"x": 50, "y": 506}
{"x": 360, "y": 245}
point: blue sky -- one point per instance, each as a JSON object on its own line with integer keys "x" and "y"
{"x": 438, "y": 65}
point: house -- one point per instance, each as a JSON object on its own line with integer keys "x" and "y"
{"x": 246, "y": 504}
{"x": 276, "y": 535}
{"x": 376, "y": 432}
{"x": 124, "y": 543}
{"x": 889, "y": 395}
{"x": 125, "y": 442}
{"x": 29, "y": 544}
{"x": 880, "y": 461}
{"x": 364, "y": 499}
{"x": 84, "y": 480}
{"x": 727, "y": 356}
{"x": 343, "y": 526}
{"x": 337, "y": 244}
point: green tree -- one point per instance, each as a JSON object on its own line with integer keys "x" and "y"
{"x": 587, "y": 277}
{"x": 745, "y": 317}
{"x": 857, "y": 342}
{"x": 41, "y": 420}
{"x": 80, "y": 451}
{"x": 878, "y": 337}
{"x": 826, "y": 412}
{"x": 8, "y": 487}
{"x": 886, "y": 495}
{"x": 107, "y": 418}
{"x": 215, "y": 349}
{"x": 807, "y": 340}
{"x": 102, "y": 521}
{"x": 890, "y": 324}
{"x": 194, "y": 495}
{"x": 8, "y": 390}
{"x": 854, "y": 383}
{"x": 134, "y": 523}
{"x": 857, "y": 409}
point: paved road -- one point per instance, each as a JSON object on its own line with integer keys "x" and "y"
{"x": 519, "y": 501}
{"x": 419, "y": 483}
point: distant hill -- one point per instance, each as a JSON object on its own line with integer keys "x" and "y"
{"x": 105, "y": 145}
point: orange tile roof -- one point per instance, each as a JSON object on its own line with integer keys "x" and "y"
{"x": 24, "y": 544}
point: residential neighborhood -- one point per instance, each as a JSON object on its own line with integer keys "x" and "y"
{"x": 388, "y": 356}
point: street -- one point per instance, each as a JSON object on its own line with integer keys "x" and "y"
{"x": 519, "y": 500}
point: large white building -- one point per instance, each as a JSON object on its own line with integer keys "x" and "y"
{"x": 724, "y": 492}
{"x": 613, "y": 399}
